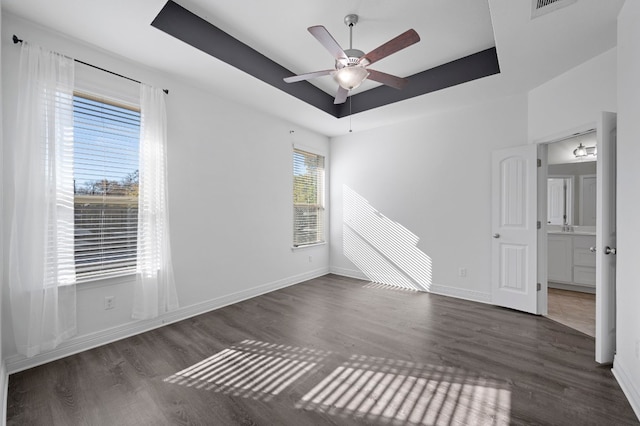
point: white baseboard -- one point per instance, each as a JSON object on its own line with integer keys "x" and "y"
{"x": 572, "y": 287}
{"x": 16, "y": 363}
{"x": 461, "y": 293}
{"x": 4, "y": 385}
{"x": 443, "y": 290}
{"x": 627, "y": 384}
{"x": 350, "y": 273}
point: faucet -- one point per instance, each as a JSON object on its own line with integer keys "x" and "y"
{"x": 567, "y": 228}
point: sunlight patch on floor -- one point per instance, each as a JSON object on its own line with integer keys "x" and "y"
{"x": 391, "y": 391}
{"x": 373, "y": 389}
{"x": 250, "y": 369}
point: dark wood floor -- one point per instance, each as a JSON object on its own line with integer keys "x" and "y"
{"x": 332, "y": 351}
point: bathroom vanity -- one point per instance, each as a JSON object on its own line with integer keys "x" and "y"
{"x": 571, "y": 219}
{"x": 571, "y": 263}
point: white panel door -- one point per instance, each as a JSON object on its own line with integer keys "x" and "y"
{"x": 514, "y": 216}
{"x": 557, "y": 200}
{"x": 606, "y": 239}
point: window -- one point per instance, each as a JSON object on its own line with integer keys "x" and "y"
{"x": 106, "y": 165}
{"x": 308, "y": 198}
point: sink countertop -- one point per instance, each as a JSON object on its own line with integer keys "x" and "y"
{"x": 572, "y": 233}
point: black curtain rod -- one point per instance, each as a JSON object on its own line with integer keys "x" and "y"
{"x": 17, "y": 40}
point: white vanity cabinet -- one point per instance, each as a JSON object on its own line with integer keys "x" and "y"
{"x": 560, "y": 254}
{"x": 570, "y": 260}
{"x": 584, "y": 260}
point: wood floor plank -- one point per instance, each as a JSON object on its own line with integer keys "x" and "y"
{"x": 332, "y": 350}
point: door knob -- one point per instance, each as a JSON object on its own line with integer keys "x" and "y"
{"x": 592, "y": 249}
{"x": 609, "y": 250}
{"x": 496, "y": 235}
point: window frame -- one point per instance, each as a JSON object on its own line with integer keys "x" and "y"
{"x": 116, "y": 273}
{"x": 321, "y": 198}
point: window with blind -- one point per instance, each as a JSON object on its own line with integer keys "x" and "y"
{"x": 106, "y": 164}
{"x": 308, "y": 198}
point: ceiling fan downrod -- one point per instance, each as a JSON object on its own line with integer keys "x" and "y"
{"x": 353, "y": 54}
{"x": 351, "y": 21}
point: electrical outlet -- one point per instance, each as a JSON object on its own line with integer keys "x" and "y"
{"x": 109, "y": 302}
{"x": 462, "y": 272}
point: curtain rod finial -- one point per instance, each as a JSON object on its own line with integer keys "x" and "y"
{"x": 16, "y": 40}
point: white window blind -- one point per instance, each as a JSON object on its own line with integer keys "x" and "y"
{"x": 106, "y": 165}
{"x": 308, "y": 198}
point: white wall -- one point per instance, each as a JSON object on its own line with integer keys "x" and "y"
{"x": 422, "y": 189}
{"x": 627, "y": 360}
{"x": 230, "y": 182}
{"x": 574, "y": 99}
{"x": 3, "y": 375}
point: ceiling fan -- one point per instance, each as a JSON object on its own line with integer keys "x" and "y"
{"x": 351, "y": 64}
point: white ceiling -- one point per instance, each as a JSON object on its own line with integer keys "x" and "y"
{"x": 530, "y": 52}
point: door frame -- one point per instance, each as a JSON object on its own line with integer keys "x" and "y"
{"x": 542, "y": 199}
{"x": 543, "y": 299}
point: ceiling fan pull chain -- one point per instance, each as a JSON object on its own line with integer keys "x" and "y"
{"x": 350, "y": 101}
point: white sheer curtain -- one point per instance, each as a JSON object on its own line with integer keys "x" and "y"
{"x": 155, "y": 291}
{"x": 41, "y": 263}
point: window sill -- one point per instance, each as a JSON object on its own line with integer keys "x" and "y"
{"x": 106, "y": 281}
{"x": 324, "y": 243}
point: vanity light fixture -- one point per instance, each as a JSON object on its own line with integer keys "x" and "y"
{"x": 582, "y": 151}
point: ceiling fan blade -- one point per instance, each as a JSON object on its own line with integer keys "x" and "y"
{"x": 322, "y": 35}
{"x": 405, "y": 39}
{"x": 307, "y": 76}
{"x": 387, "y": 79}
{"x": 341, "y": 96}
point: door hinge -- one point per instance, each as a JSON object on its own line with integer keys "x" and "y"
{"x": 539, "y": 162}
{"x": 538, "y": 225}
{"x": 538, "y": 286}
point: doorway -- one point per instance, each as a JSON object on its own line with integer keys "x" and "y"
{"x": 604, "y": 249}
{"x": 519, "y": 233}
{"x": 571, "y": 231}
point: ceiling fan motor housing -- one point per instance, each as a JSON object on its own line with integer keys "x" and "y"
{"x": 354, "y": 56}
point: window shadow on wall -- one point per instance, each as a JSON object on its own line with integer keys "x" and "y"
{"x": 384, "y": 250}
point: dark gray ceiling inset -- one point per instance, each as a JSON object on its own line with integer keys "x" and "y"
{"x": 180, "y": 23}
{"x": 472, "y": 67}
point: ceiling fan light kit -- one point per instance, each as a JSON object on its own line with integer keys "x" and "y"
{"x": 351, "y": 64}
{"x": 350, "y": 77}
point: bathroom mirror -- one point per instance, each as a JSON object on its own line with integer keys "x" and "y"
{"x": 560, "y": 200}
{"x": 571, "y": 194}
{"x": 571, "y": 187}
